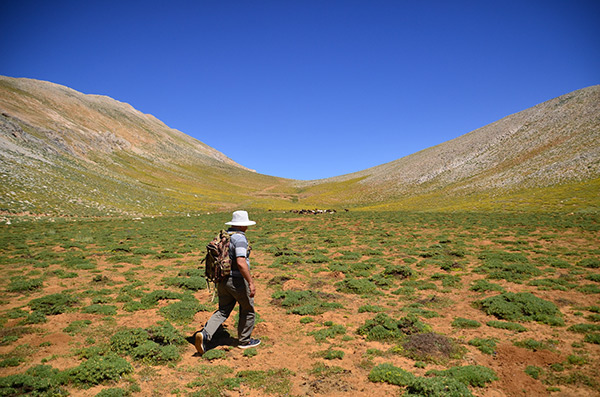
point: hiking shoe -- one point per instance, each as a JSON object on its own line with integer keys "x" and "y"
{"x": 250, "y": 343}
{"x": 199, "y": 342}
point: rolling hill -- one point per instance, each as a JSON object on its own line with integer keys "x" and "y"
{"x": 543, "y": 158}
{"x": 63, "y": 152}
{"x": 66, "y": 153}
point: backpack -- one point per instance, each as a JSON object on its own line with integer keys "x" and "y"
{"x": 217, "y": 261}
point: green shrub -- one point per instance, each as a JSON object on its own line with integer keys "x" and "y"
{"x": 356, "y": 286}
{"x": 388, "y": 373}
{"x": 521, "y": 306}
{"x": 306, "y": 302}
{"x": 534, "y": 345}
{"x": 214, "y": 354}
{"x": 114, "y": 392}
{"x": 486, "y": 346}
{"x": 589, "y": 289}
{"x": 124, "y": 341}
{"x": 155, "y": 345}
{"x": 317, "y": 257}
{"x": 16, "y": 313}
{"x": 574, "y": 359}
{"x": 445, "y": 384}
{"x": 592, "y": 338}
{"x": 250, "y": 352}
{"x": 384, "y": 328}
{"x": 106, "y": 310}
{"x": 134, "y": 306}
{"x": 11, "y": 362}
{"x": 437, "y": 387}
{"x": 534, "y": 372}
{"x": 461, "y": 322}
{"x": 76, "y": 326}
{"x": 398, "y": 271}
{"x": 448, "y": 280}
{"x": 555, "y": 262}
{"x": 99, "y": 369}
{"x": 41, "y": 380}
{"x": 182, "y": 312}
{"x": 590, "y": 263}
{"x": 593, "y": 277}
{"x": 22, "y": 284}
{"x": 470, "y": 375}
{"x": 53, "y": 304}
{"x": 331, "y": 354}
{"x": 417, "y": 309}
{"x": 330, "y": 331}
{"x": 151, "y": 299}
{"x": 584, "y": 328}
{"x": 506, "y": 325}
{"x": 34, "y": 318}
{"x": 152, "y": 353}
{"x": 164, "y": 333}
{"x": 507, "y": 266}
{"x": 62, "y": 274}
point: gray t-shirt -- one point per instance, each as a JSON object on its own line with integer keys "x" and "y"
{"x": 238, "y": 247}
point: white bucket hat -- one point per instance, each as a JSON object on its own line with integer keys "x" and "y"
{"x": 240, "y": 218}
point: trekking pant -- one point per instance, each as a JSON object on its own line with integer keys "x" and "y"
{"x": 230, "y": 291}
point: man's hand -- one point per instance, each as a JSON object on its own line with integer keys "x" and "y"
{"x": 252, "y": 289}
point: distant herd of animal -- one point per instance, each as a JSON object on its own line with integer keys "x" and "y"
{"x": 315, "y": 211}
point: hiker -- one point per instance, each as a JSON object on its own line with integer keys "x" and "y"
{"x": 238, "y": 287}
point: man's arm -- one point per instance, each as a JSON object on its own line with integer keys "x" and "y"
{"x": 243, "y": 268}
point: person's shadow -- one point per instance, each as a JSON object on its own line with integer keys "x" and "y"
{"x": 221, "y": 338}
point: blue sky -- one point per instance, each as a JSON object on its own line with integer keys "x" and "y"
{"x": 310, "y": 89}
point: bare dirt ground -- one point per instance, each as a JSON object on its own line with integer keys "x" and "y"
{"x": 287, "y": 343}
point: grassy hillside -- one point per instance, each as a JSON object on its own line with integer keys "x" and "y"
{"x": 66, "y": 153}
{"x": 535, "y": 159}
{"x": 63, "y": 152}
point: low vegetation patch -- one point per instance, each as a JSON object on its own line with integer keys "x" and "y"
{"x": 450, "y": 382}
{"x": 521, "y": 306}
{"x": 41, "y": 380}
{"x": 305, "y": 302}
{"x": 23, "y": 284}
{"x": 155, "y": 345}
{"x": 99, "y": 369}
{"x": 329, "y": 331}
{"x": 507, "y": 325}
{"x": 536, "y": 345}
{"x": 485, "y": 345}
{"x": 461, "y": 322}
{"x": 273, "y": 381}
{"x": 384, "y": 328}
{"x": 470, "y": 375}
{"x": 53, "y": 304}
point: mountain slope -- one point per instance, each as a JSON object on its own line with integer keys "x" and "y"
{"x": 64, "y": 152}
{"x": 554, "y": 144}
{"x": 69, "y": 153}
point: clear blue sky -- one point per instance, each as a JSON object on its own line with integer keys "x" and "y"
{"x": 307, "y": 89}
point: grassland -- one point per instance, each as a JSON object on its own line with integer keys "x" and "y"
{"x": 356, "y": 303}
